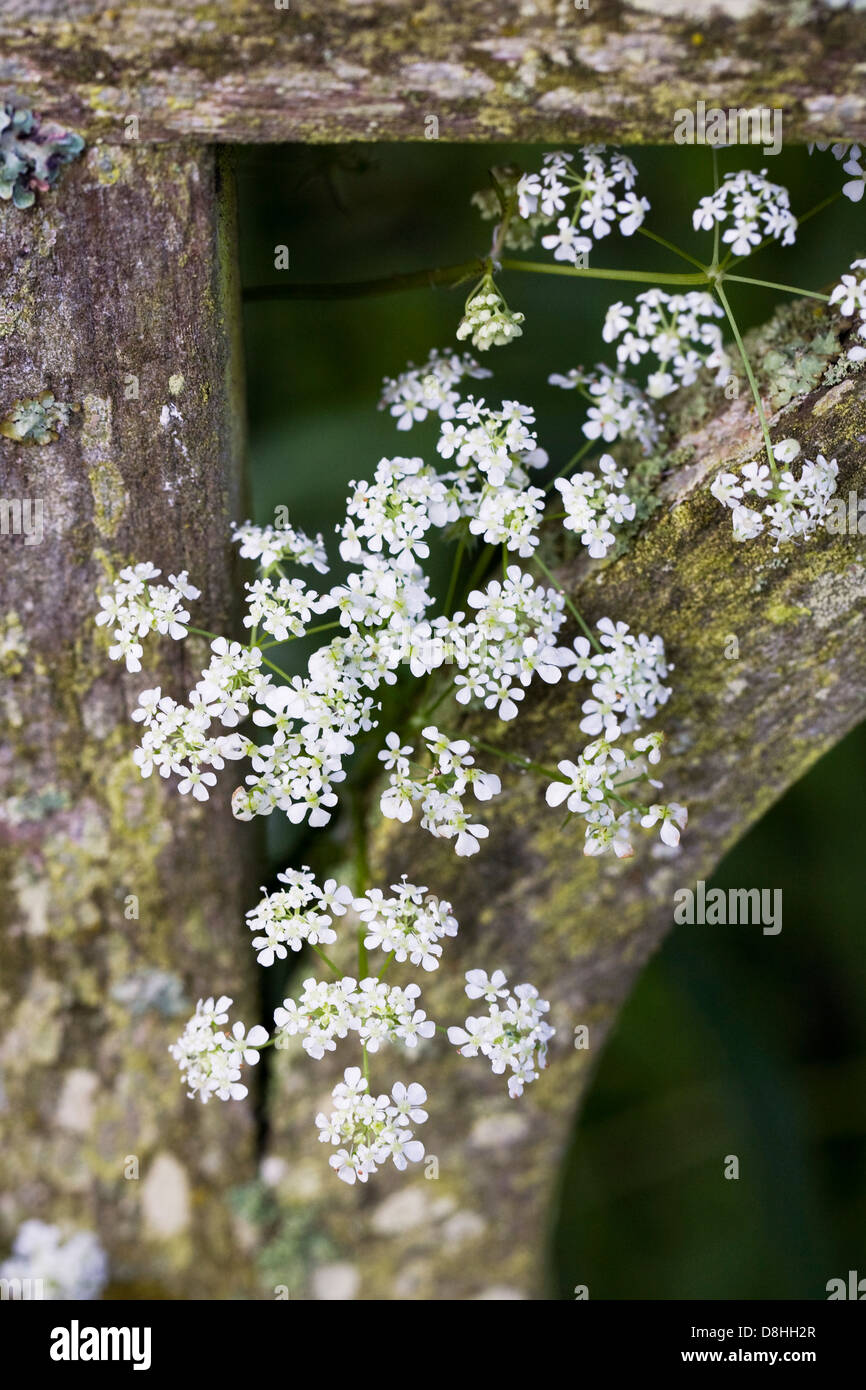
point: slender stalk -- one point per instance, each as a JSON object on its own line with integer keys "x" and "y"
{"x": 449, "y": 275}
{"x": 572, "y": 463}
{"x": 455, "y": 571}
{"x": 200, "y": 632}
{"x": 568, "y": 603}
{"x": 515, "y": 758}
{"x": 385, "y": 966}
{"x": 771, "y": 285}
{"x": 765, "y": 429}
{"x": 716, "y": 227}
{"x": 326, "y": 959}
{"x": 278, "y": 669}
{"x": 683, "y": 255}
{"x": 641, "y": 277}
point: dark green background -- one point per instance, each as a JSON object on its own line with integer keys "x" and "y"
{"x": 734, "y": 1042}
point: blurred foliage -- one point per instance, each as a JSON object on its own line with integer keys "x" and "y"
{"x": 734, "y": 1042}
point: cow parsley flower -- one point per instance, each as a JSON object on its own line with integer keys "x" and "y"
{"x": 599, "y": 191}
{"x": 136, "y": 606}
{"x": 371, "y": 1129}
{"x": 301, "y": 912}
{"x": 513, "y": 1035}
{"x": 757, "y": 209}
{"x": 677, "y": 329}
{"x": 409, "y": 925}
{"x": 71, "y": 1267}
{"x": 487, "y": 319}
{"x": 617, "y": 408}
{"x": 789, "y": 507}
{"x": 593, "y": 505}
{"x": 211, "y": 1060}
{"x": 850, "y": 295}
{"x": 307, "y": 724}
{"x": 430, "y": 388}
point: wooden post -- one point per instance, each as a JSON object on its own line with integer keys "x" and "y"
{"x": 121, "y": 902}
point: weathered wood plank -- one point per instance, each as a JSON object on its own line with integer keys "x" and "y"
{"x": 375, "y": 69}
{"x": 121, "y": 284}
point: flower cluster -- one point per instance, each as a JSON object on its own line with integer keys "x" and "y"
{"x": 520, "y": 232}
{"x": 70, "y": 1268}
{"x": 369, "y": 1129}
{"x": 789, "y": 507}
{"x": 512, "y": 1035}
{"x": 850, "y": 295}
{"x": 329, "y": 1009}
{"x": 627, "y": 675}
{"x": 429, "y": 389}
{"x": 679, "y": 331}
{"x": 618, "y": 409}
{"x": 408, "y": 925}
{"x": 487, "y": 319}
{"x": 507, "y": 634}
{"x": 209, "y": 1059}
{"x": 591, "y": 787}
{"x": 757, "y": 209}
{"x": 301, "y": 912}
{"x": 592, "y": 505}
{"x": 135, "y": 606}
{"x": 273, "y": 545}
{"x": 853, "y": 165}
{"x": 601, "y": 187}
{"x": 440, "y": 788}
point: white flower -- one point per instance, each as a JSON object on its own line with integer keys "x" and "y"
{"x": 209, "y": 1059}
{"x": 71, "y": 1268}
{"x": 757, "y": 210}
{"x": 513, "y": 1035}
{"x": 487, "y": 319}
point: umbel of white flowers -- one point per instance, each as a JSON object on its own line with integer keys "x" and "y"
{"x": 507, "y": 635}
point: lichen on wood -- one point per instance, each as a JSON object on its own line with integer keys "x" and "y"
{"x": 120, "y": 902}
{"x": 328, "y": 70}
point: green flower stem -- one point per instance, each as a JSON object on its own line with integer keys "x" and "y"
{"x": 449, "y": 275}
{"x": 365, "y": 1063}
{"x": 683, "y": 255}
{"x": 641, "y": 277}
{"x": 278, "y": 669}
{"x": 716, "y": 224}
{"x": 200, "y": 632}
{"x": 385, "y": 966}
{"x": 453, "y": 275}
{"x": 296, "y": 637}
{"x": 362, "y": 874}
{"x": 455, "y": 572}
{"x": 325, "y": 958}
{"x": 483, "y": 563}
{"x": 771, "y": 285}
{"x": 515, "y": 758}
{"x": 765, "y": 429}
{"x": 572, "y": 463}
{"x": 587, "y": 631}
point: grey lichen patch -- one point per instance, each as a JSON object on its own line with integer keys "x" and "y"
{"x": 37, "y": 420}
{"x": 32, "y": 155}
{"x": 833, "y": 596}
